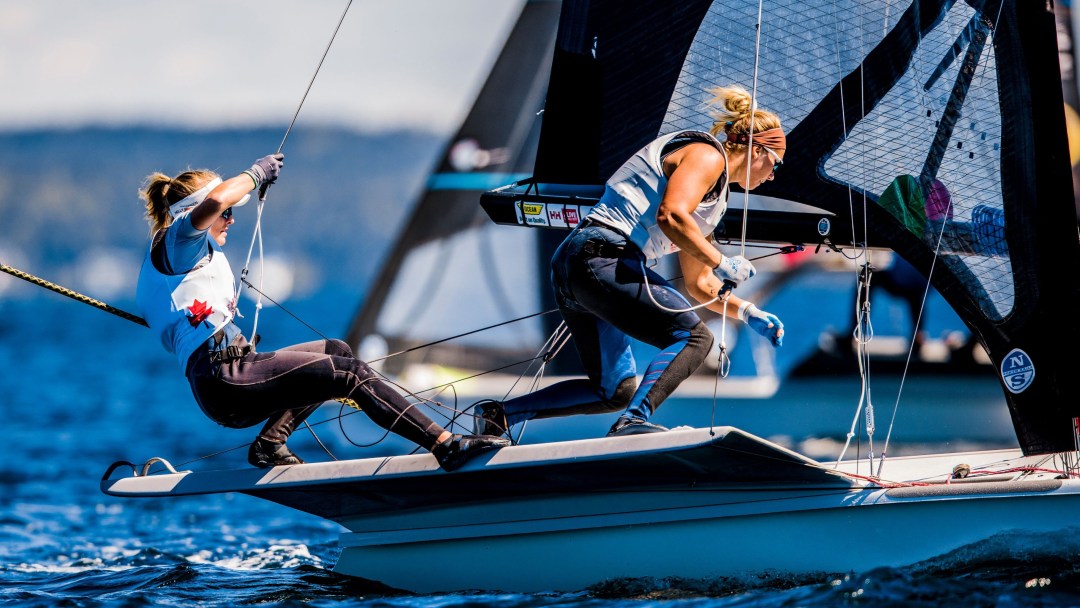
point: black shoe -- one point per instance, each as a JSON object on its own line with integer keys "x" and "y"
{"x": 265, "y": 454}
{"x": 489, "y": 418}
{"x": 456, "y": 450}
{"x": 626, "y": 425}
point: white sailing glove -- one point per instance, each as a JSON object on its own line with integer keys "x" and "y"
{"x": 735, "y": 269}
{"x": 764, "y": 323}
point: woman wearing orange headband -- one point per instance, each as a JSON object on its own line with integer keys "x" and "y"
{"x": 665, "y": 199}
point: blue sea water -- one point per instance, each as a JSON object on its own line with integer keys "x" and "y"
{"x": 80, "y": 389}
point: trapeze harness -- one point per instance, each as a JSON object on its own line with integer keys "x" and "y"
{"x": 188, "y": 309}
{"x": 623, "y": 226}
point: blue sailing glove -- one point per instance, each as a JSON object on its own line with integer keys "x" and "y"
{"x": 764, "y": 323}
{"x": 734, "y": 269}
{"x": 265, "y": 170}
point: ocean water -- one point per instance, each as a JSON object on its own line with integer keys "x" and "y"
{"x": 80, "y": 389}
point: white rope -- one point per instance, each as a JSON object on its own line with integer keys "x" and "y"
{"x": 753, "y": 123}
{"x": 257, "y": 233}
{"x": 724, "y": 361}
{"x": 648, "y": 289}
{"x": 861, "y": 253}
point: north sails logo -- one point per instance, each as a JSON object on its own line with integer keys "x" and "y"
{"x": 1018, "y": 371}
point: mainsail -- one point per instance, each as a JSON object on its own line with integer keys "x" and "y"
{"x": 935, "y": 129}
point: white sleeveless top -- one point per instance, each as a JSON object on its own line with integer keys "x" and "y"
{"x": 632, "y": 196}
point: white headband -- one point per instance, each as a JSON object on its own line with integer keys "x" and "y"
{"x": 190, "y": 201}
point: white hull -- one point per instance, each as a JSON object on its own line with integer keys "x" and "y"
{"x": 564, "y": 516}
{"x": 827, "y": 534}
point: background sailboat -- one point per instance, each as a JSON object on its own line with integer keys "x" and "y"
{"x": 449, "y": 269}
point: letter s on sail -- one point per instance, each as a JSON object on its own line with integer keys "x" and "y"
{"x": 1017, "y": 370}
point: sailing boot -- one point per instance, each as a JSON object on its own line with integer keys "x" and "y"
{"x": 456, "y": 449}
{"x": 632, "y": 425}
{"x": 489, "y": 418}
{"x": 265, "y": 454}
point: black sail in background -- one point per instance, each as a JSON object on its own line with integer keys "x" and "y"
{"x": 934, "y": 128}
{"x": 450, "y": 270}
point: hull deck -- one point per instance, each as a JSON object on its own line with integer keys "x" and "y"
{"x": 690, "y": 503}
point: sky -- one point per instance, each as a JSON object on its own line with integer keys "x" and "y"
{"x": 229, "y": 63}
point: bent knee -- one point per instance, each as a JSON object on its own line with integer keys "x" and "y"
{"x": 702, "y": 337}
{"x": 697, "y": 347}
{"x": 620, "y": 397}
{"x": 338, "y": 348}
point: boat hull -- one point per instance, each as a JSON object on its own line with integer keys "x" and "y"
{"x": 828, "y": 533}
{"x": 692, "y": 503}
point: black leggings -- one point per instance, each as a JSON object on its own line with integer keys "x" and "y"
{"x": 283, "y": 387}
{"x": 605, "y": 303}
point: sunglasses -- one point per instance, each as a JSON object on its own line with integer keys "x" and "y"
{"x": 777, "y": 161}
{"x": 227, "y": 214}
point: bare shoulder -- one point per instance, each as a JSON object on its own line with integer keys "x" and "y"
{"x": 698, "y": 157}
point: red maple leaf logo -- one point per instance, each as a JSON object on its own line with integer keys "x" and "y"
{"x": 198, "y": 312}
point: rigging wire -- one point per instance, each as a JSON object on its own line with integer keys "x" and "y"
{"x": 724, "y": 361}
{"x": 256, "y": 235}
{"x": 313, "y": 76}
{"x": 933, "y": 264}
{"x": 753, "y": 123}
{"x": 860, "y": 245}
{"x": 461, "y": 335}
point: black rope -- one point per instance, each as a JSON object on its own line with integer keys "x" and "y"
{"x": 409, "y": 350}
{"x": 286, "y": 310}
{"x": 544, "y": 356}
{"x": 74, "y": 295}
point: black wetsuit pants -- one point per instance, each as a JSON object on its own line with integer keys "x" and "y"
{"x": 283, "y": 387}
{"x": 599, "y": 278}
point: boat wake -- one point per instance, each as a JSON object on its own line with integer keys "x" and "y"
{"x": 276, "y": 556}
{"x": 1012, "y": 553}
{"x": 1018, "y": 567}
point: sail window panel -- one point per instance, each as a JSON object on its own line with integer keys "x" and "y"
{"x": 473, "y": 279}
{"x": 808, "y": 47}
{"x": 805, "y": 49}
{"x": 948, "y": 138}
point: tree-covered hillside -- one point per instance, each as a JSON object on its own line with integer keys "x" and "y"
{"x": 341, "y": 197}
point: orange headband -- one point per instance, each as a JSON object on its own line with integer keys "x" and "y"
{"x": 774, "y": 139}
